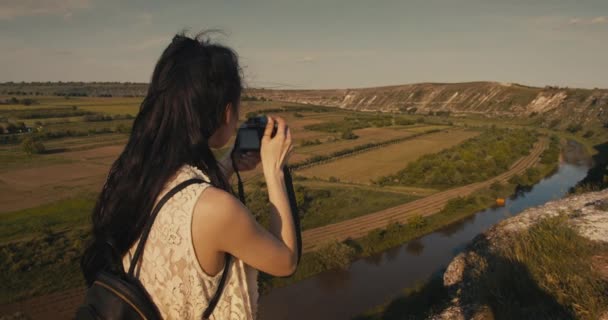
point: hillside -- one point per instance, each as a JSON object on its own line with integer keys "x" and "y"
{"x": 549, "y": 105}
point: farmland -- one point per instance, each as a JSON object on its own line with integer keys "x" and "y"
{"x": 370, "y": 165}
{"x": 46, "y": 197}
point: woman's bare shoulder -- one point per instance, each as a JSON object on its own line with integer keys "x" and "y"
{"x": 216, "y": 207}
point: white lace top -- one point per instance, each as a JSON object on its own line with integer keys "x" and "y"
{"x": 170, "y": 271}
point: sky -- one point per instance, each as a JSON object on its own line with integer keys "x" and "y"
{"x": 315, "y": 44}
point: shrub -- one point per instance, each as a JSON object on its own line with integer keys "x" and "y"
{"x": 588, "y": 134}
{"x": 121, "y": 128}
{"x": 349, "y": 135}
{"x": 417, "y": 221}
{"x": 32, "y": 146}
{"x": 574, "y": 128}
{"x": 335, "y": 255}
{"x": 496, "y": 186}
{"x": 305, "y": 143}
{"x": 554, "y": 123}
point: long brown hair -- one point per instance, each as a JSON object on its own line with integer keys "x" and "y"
{"x": 193, "y": 82}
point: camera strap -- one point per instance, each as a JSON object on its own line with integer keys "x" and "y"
{"x": 290, "y": 195}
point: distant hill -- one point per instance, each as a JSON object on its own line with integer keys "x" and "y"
{"x": 552, "y": 106}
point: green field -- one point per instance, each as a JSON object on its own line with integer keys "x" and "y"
{"x": 367, "y": 166}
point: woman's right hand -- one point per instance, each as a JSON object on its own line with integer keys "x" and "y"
{"x": 276, "y": 150}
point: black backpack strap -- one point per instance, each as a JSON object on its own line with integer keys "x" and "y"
{"x": 146, "y": 231}
{"x": 220, "y": 288}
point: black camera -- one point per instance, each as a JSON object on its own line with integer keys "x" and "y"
{"x": 250, "y": 133}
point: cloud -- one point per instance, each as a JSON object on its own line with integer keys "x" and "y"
{"x": 307, "y": 59}
{"x": 601, "y": 20}
{"x": 144, "y": 18}
{"x": 11, "y": 9}
{"x": 152, "y": 42}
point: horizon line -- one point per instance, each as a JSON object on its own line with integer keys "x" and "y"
{"x": 277, "y": 87}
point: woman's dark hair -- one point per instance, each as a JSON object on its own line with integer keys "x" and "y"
{"x": 193, "y": 82}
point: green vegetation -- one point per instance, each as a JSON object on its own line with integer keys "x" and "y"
{"x": 55, "y": 217}
{"x": 318, "y": 207}
{"x": 323, "y": 158}
{"x": 348, "y": 135}
{"x": 44, "y": 113}
{"x": 41, "y": 248}
{"x": 106, "y": 117}
{"x": 31, "y": 145}
{"x": 294, "y": 108}
{"x": 353, "y": 122}
{"x": 44, "y": 264}
{"x": 335, "y": 255}
{"x": 24, "y": 101}
{"x": 549, "y": 161}
{"x": 574, "y": 128}
{"x": 477, "y": 159}
{"x": 545, "y": 272}
{"x": 306, "y": 143}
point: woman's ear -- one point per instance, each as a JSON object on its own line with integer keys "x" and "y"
{"x": 228, "y": 113}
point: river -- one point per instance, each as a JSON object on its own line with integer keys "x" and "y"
{"x": 375, "y": 280}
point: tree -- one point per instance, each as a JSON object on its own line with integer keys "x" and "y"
{"x": 11, "y": 128}
{"x": 574, "y": 128}
{"x": 349, "y": 135}
{"x": 588, "y": 134}
{"x": 32, "y": 146}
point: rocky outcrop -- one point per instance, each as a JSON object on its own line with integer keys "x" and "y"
{"x": 586, "y": 213}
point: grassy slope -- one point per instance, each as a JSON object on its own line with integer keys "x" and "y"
{"x": 543, "y": 273}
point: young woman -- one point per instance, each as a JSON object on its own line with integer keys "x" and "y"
{"x": 192, "y": 105}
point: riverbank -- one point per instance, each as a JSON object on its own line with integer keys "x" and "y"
{"x": 380, "y": 278}
{"x": 336, "y": 254}
{"x": 549, "y": 262}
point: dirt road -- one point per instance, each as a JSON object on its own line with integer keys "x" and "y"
{"x": 361, "y": 226}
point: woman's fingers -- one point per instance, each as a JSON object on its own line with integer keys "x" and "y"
{"x": 288, "y": 136}
{"x": 269, "y": 128}
{"x": 281, "y": 125}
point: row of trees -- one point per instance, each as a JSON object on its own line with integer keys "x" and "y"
{"x": 106, "y": 117}
{"x": 25, "y": 101}
{"x": 477, "y": 159}
{"x": 67, "y": 133}
{"x": 295, "y": 109}
{"x": 46, "y": 113}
